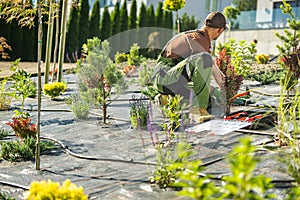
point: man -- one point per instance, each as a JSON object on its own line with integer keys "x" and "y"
{"x": 185, "y": 65}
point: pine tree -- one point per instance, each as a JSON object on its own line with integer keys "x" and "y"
{"x": 124, "y": 17}
{"x": 151, "y": 16}
{"x": 143, "y": 33}
{"x": 159, "y": 15}
{"x": 115, "y": 19}
{"x": 72, "y": 43}
{"x": 115, "y": 41}
{"x": 94, "y": 25}
{"x": 83, "y": 22}
{"x": 133, "y": 15}
{"x": 105, "y": 24}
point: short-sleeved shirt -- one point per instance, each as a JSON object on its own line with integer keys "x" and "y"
{"x": 189, "y": 43}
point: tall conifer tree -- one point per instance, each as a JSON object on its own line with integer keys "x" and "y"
{"x": 105, "y": 24}
{"x": 83, "y": 22}
{"x": 72, "y": 43}
{"x": 133, "y": 15}
{"x": 124, "y": 17}
{"x": 115, "y": 41}
{"x": 115, "y": 19}
{"x": 143, "y": 33}
{"x": 151, "y": 16}
{"x": 159, "y": 15}
{"x": 94, "y": 25}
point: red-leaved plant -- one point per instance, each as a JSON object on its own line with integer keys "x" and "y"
{"x": 22, "y": 126}
{"x": 232, "y": 80}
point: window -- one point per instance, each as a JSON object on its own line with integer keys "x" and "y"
{"x": 211, "y": 5}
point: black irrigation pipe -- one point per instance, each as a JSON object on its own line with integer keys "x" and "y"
{"x": 15, "y": 185}
{"x": 65, "y": 148}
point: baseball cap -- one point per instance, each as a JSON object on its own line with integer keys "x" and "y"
{"x": 216, "y": 20}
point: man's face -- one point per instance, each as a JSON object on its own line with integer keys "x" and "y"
{"x": 218, "y": 33}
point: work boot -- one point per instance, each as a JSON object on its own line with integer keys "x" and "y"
{"x": 199, "y": 115}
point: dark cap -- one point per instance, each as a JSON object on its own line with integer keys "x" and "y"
{"x": 216, "y": 20}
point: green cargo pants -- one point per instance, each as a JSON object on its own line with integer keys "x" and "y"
{"x": 190, "y": 78}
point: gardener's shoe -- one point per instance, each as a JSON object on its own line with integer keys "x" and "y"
{"x": 199, "y": 115}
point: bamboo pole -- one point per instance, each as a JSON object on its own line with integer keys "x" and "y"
{"x": 62, "y": 40}
{"x": 49, "y": 41}
{"x": 39, "y": 57}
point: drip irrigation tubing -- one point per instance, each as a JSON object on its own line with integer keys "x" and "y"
{"x": 65, "y": 148}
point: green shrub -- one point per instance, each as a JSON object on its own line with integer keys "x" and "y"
{"x": 23, "y": 150}
{"x": 54, "y": 89}
{"x": 120, "y": 57}
{"x": 79, "y": 107}
{"x": 53, "y": 190}
{"x": 22, "y": 84}
{"x": 5, "y": 96}
{"x": 3, "y": 133}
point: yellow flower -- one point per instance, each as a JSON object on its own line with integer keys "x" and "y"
{"x": 173, "y": 5}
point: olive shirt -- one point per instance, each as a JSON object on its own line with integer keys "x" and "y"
{"x": 187, "y": 44}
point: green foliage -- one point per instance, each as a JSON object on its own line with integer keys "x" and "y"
{"x": 115, "y": 19}
{"x": 94, "y": 22}
{"x": 159, "y": 15}
{"x": 134, "y": 58}
{"x": 242, "y": 5}
{"x": 231, "y": 13}
{"x": 242, "y": 54}
{"x": 138, "y": 113}
{"x": 72, "y": 42}
{"x": 290, "y": 49}
{"x": 133, "y": 15}
{"x": 151, "y": 15}
{"x": 79, "y": 106}
{"x": 22, "y": 85}
{"x": 5, "y": 197}
{"x": 164, "y": 174}
{"x": 54, "y": 89}
{"x": 105, "y": 24}
{"x": 294, "y": 193}
{"x": 98, "y": 74}
{"x": 150, "y": 92}
{"x": 120, "y": 57}
{"x": 124, "y": 17}
{"x": 22, "y": 150}
{"x": 83, "y": 22}
{"x": 5, "y": 96}
{"x": 3, "y": 133}
{"x": 173, "y": 5}
{"x": 172, "y": 110}
{"x": 53, "y": 190}
{"x": 266, "y": 77}
{"x": 191, "y": 184}
{"x": 16, "y": 151}
{"x": 145, "y": 74}
{"x": 242, "y": 184}
{"x": 188, "y": 22}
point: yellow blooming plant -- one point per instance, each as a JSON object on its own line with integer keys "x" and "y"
{"x": 173, "y": 5}
{"x": 52, "y": 190}
{"x": 54, "y": 89}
